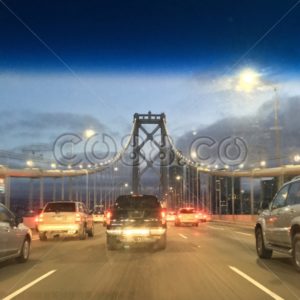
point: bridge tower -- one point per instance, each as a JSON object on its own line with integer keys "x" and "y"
{"x": 153, "y": 127}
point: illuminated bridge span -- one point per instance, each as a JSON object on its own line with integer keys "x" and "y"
{"x": 181, "y": 180}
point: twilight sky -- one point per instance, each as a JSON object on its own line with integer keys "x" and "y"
{"x": 70, "y": 65}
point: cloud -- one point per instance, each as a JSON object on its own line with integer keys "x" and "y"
{"x": 257, "y": 130}
{"x": 20, "y": 128}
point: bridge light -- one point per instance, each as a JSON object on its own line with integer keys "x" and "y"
{"x": 263, "y": 163}
{"x": 29, "y": 163}
{"x": 297, "y": 158}
{"x": 53, "y": 166}
{"x": 89, "y": 133}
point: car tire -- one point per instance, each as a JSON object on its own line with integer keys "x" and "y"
{"x": 82, "y": 235}
{"x": 261, "y": 249}
{"x": 162, "y": 242}
{"x": 25, "y": 251}
{"x": 42, "y": 236}
{"x": 91, "y": 231}
{"x": 296, "y": 251}
{"x": 111, "y": 242}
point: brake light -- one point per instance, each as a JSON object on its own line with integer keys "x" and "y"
{"x": 108, "y": 217}
{"x": 78, "y": 218}
{"x": 163, "y": 217}
{"x": 39, "y": 218}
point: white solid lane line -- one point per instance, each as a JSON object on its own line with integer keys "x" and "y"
{"x": 27, "y": 286}
{"x": 257, "y": 284}
{"x": 183, "y": 236}
{"x": 243, "y": 233}
{"x": 212, "y": 227}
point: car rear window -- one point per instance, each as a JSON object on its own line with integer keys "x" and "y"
{"x": 137, "y": 202}
{"x": 60, "y": 207}
{"x": 186, "y": 211}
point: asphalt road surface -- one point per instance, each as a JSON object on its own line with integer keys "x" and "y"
{"x": 209, "y": 262}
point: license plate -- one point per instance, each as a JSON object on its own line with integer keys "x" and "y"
{"x": 138, "y": 239}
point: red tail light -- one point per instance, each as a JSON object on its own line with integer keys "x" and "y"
{"x": 39, "y": 218}
{"x": 163, "y": 217}
{"x": 108, "y": 217}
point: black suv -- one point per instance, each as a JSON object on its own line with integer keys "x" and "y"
{"x": 136, "y": 220}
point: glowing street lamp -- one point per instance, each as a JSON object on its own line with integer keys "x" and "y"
{"x": 248, "y": 79}
{"x": 194, "y": 154}
{"x": 53, "y": 166}
{"x": 297, "y": 158}
{"x": 263, "y": 163}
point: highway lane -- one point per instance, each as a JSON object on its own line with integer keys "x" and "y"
{"x": 208, "y": 262}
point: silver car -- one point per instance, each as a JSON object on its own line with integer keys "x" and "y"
{"x": 278, "y": 226}
{"x": 14, "y": 240}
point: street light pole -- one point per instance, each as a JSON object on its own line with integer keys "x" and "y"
{"x": 87, "y": 189}
{"x": 277, "y": 128}
{"x": 197, "y": 188}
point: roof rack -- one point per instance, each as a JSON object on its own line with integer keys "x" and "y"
{"x": 295, "y": 178}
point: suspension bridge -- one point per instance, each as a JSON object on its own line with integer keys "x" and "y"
{"x": 180, "y": 179}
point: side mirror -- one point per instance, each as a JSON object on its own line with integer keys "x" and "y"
{"x": 18, "y": 220}
{"x": 265, "y": 205}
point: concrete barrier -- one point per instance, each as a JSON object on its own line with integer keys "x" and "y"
{"x": 246, "y": 220}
